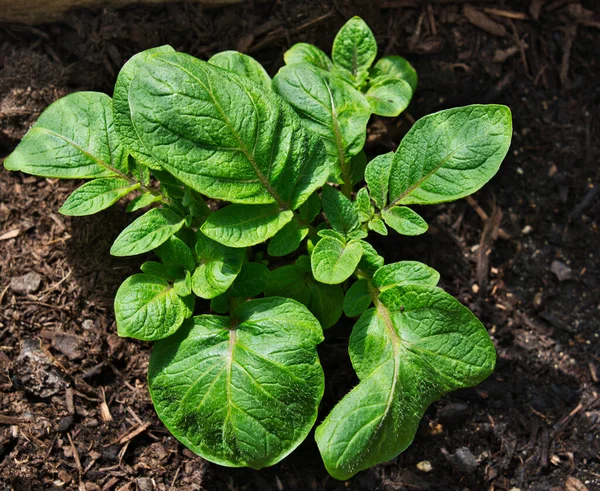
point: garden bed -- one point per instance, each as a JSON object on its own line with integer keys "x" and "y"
{"x": 523, "y": 254}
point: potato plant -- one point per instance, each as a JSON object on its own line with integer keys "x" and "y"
{"x": 224, "y": 159}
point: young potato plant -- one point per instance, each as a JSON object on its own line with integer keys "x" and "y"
{"x": 239, "y": 382}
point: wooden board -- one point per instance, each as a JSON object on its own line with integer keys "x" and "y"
{"x": 41, "y": 11}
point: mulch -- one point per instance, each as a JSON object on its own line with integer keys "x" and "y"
{"x": 523, "y": 253}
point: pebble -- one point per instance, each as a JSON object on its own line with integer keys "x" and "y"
{"x": 425, "y": 466}
{"x": 463, "y": 460}
{"x": 144, "y": 484}
{"x": 561, "y": 271}
{"x": 28, "y": 283}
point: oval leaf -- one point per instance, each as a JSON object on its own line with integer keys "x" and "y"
{"x": 242, "y": 65}
{"x": 354, "y": 47}
{"x": 450, "y": 154}
{"x": 234, "y": 141}
{"x": 333, "y": 261}
{"x": 404, "y": 220}
{"x": 96, "y": 195}
{"x": 147, "y": 232}
{"x": 147, "y": 308}
{"x": 307, "y": 53}
{"x": 416, "y": 345}
{"x": 287, "y": 240}
{"x": 74, "y": 138}
{"x": 389, "y": 96}
{"x": 357, "y": 299}
{"x": 241, "y": 393}
{"x": 395, "y": 66}
{"x": 340, "y": 211}
{"x": 405, "y": 273}
{"x": 377, "y": 176}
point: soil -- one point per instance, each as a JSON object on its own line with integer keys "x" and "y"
{"x": 523, "y": 254}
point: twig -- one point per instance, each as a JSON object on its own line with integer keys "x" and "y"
{"x": 75, "y": 455}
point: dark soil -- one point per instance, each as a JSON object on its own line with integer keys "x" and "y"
{"x": 525, "y": 256}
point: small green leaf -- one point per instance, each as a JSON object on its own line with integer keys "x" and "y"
{"x": 405, "y": 273}
{"x": 243, "y": 392}
{"x": 143, "y": 200}
{"x": 354, "y": 47}
{"x": 404, "y": 220}
{"x": 287, "y": 240}
{"x": 340, "y": 211}
{"x": 327, "y": 232}
{"x": 358, "y": 298}
{"x": 183, "y": 286}
{"x": 221, "y": 304}
{"x": 363, "y": 205}
{"x": 218, "y": 267}
{"x": 356, "y": 167}
{"x": 397, "y": 67}
{"x": 307, "y": 53}
{"x": 74, "y": 138}
{"x": 195, "y": 204}
{"x": 245, "y": 225}
{"x": 122, "y": 111}
{"x": 251, "y": 281}
{"x": 329, "y": 107}
{"x": 176, "y": 256}
{"x": 96, "y": 195}
{"x": 377, "y": 225}
{"x": 450, "y": 154}
{"x": 242, "y": 64}
{"x": 147, "y": 232}
{"x": 417, "y": 344}
{"x": 296, "y": 281}
{"x": 377, "y": 176}
{"x": 310, "y": 208}
{"x": 148, "y": 308}
{"x": 388, "y": 95}
{"x": 157, "y": 269}
{"x": 370, "y": 261}
{"x": 333, "y": 261}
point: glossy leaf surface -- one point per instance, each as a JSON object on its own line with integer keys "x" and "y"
{"x": 96, "y": 195}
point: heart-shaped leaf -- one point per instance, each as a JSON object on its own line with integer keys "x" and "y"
{"x": 241, "y": 391}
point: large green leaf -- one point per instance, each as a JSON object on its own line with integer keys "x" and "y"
{"x": 74, "y": 138}
{"x": 417, "y": 344}
{"x": 242, "y": 64}
{"x": 245, "y": 225}
{"x": 334, "y": 261}
{"x": 148, "y": 308}
{"x": 307, "y": 53}
{"x": 223, "y": 135}
{"x": 96, "y": 195}
{"x": 296, "y": 281}
{"x": 218, "y": 267}
{"x": 354, "y": 47}
{"x": 241, "y": 391}
{"x": 450, "y": 154}
{"x": 405, "y": 273}
{"x": 122, "y": 110}
{"x": 147, "y": 232}
{"x": 329, "y": 107}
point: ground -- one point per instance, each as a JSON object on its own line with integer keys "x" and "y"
{"x": 523, "y": 253}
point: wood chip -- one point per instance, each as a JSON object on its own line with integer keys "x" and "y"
{"x": 11, "y": 234}
{"x": 509, "y": 14}
{"x": 481, "y": 20}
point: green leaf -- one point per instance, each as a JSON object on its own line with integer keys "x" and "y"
{"x": 377, "y": 225}
{"x": 333, "y": 261}
{"x": 327, "y": 232}
{"x": 354, "y": 47}
{"x": 296, "y": 281}
{"x": 245, "y": 225}
{"x": 195, "y": 204}
{"x": 417, "y": 344}
{"x": 329, "y": 107}
{"x": 377, "y": 176}
{"x": 242, "y": 65}
{"x": 148, "y": 308}
{"x": 310, "y": 208}
{"x": 405, "y": 273}
{"x": 357, "y": 166}
{"x": 218, "y": 267}
{"x": 358, "y": 298}
{"x": 74, "y": 138}
{"x": 147, "y": 232}
{"x": 450, "y": 154}
{"x": 370, "y": 261}
{"x": 404, "y": 220}
{"x": 156, "y": 269}
{"x": 363, "y": 205}
{"x": 287, "y": 240}
{"x": 251, "y": 281}
{"x": 395, "y": 66}
{"x": 143, "y": 200}
{"x": 183, "y": 286}
{"x": 340, "y": 211}
{"x": 243, "y": 392}
{"x": 307, "y": 53}
{"x": 122, "y": 111}
{"x": 96, "y": 195}
{"x": 388, "y": 95}
{"x": 232, "y": 140}
{"x": 176, "y": 256}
